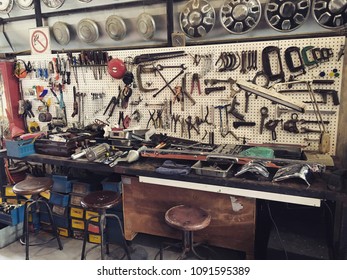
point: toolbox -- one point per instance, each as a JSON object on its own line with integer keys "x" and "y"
{"x": 60, "y": 144}
{"x": 61, "y": 184}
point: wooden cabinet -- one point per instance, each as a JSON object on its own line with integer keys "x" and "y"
{"x": 233, "y": 218}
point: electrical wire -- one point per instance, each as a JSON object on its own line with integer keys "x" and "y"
{"x": 277, "y": 231}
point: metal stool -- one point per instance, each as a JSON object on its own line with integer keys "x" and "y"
{"x": 100, "y": 201}
{"x": 187, "y": 219}
{"x": 33, "y": 186}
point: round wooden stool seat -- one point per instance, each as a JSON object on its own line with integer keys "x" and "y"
{"x": 33, "y": 185}
{"x": 187, "y": 218}
{"x": 101, "y": 200}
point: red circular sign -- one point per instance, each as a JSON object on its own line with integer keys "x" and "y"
{"x": 39, "y": 41}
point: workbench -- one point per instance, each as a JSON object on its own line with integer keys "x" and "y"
{"x": 231, "y": 201}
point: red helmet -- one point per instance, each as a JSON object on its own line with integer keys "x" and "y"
{"x": 116, "y": 68}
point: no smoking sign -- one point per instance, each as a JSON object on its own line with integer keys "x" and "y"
{"x": 40, "y": 42}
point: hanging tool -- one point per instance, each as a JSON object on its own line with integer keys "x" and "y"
{"x": 75, "y": 103}
{"x": 271, "y": 125}
{"x": 168, "y": 83}
{"x": 151, "y": 118}
{"x": 195, "y": 82}
{"x": 62, "y": 103}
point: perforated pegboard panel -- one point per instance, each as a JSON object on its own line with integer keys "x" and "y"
{"x": 94, "y": 108}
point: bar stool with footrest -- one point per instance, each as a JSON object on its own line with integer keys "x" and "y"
{"x": 188, "y": 219}
{"x": 34, "y": 186}
{"x": 100, "y": 201}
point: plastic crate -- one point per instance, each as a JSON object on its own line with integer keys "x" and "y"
{"x": 109, "y": 185}
{"x": 19, "y": 149}
{"x": 61, "y": 184}
{"x": 9, "y": 234}
{"x": 59, "y": 199}
{"x": 13, "y": 218}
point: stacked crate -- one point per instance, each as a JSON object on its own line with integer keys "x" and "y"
{"x": 114, "y": 233}
{"x": 78, "y": 215}
{"x": 58, "y": 200}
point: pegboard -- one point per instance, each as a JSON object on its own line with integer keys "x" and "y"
{"x": 108, "y": 87}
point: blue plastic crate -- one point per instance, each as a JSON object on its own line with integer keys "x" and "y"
{"x": 19, "y": 149}
{"x": 61, "y": 184}
{"x": 13, "y": 218}
{"x": 59, "y": 199}
{"x": 59, "y": 221}
{"x": 108, "y": 185}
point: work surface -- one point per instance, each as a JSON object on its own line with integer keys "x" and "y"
{"x": 145, "y": 167}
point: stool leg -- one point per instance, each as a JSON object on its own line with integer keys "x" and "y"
{"x": 54, "y": 228}
{"x": 125, "y": 245}
{"x": 102, "y": 226}
{"x": 26, "y": 219}
{"x": 25, "y": 226}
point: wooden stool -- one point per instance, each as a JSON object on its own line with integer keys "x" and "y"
{"x": 33, "y": 186}
{"x": 187, "y": 219}
{"x": 100, "y": 201}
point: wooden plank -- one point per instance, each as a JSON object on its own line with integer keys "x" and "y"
{"x": 233, "y": 218}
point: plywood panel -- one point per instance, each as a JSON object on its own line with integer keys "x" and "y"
{"x": 233, "y": 218}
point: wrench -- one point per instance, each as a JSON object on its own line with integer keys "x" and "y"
{"x": 162, "y": 67}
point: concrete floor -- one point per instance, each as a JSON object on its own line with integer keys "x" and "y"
{"x": 143, "y": 247}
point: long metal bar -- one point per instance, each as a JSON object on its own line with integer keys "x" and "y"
{"x": 301, "y": 200}
{"x": 170, "y": 21}
{"x": 38, "y": 13}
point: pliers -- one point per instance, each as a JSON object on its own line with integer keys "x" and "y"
{"x": 151, "y": 118}
{"x": 113, "y": 102}
{"x": 175, "y": 119}
{"x": 195, "y": 81}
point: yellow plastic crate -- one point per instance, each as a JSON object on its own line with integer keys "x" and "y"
{"x": 94, "y": 238}
{"x": 63, "y": 232}
{"x": 76, "y": 212}
{"x": 90, "y": 214}
{"x": 46, "y": 194}
{"x": 77, "y": 224}
{"x": 9, "y": 191}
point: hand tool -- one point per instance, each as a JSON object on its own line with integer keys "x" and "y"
{"x": 195, "y": 82}
{"x": 62, "y": 103}
{"x": 162, "y": 67}
{"x": 323, "y": 92}
{"x": 214, "y": 89}
{"x": 141, "y": 69}
{"x": 75, "y": 103}
{"x": 291, "y": 125}
{"x": 280, "y": 111}
{"x": 271, "y": 125}
{"x": 113, "y": 102}
{"x": 168, "y": 83}
{"x": 341, "y": 52}
{"x": 238, "y": 124}
{"x": 213, "y": 82}
{"x": 233, "y": 110}
{"x": 151, "y": 118}
{"x": 271, "y": 52}
{"x": 271, "y": 95}
{"x": 175, "y": 119}
{"x": 292, "y": 54}
{"x": 184, "y": 90}
{"x": 305, "y": 56}
{"x": 302, "y": 121}
{"x": 157, "y": 56}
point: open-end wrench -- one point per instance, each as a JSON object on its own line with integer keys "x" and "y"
{"x": 162, "y": 67}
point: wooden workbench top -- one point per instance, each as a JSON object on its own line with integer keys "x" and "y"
{"x": 146, "y": 167}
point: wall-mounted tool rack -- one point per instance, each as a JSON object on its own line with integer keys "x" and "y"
{"x": 206, "y": 69}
